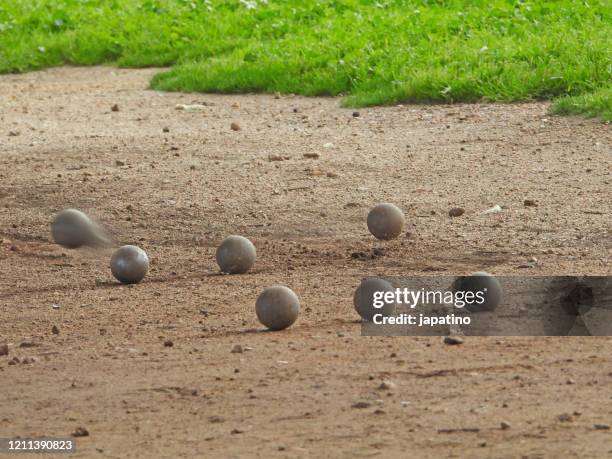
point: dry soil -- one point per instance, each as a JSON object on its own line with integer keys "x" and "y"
{"x": 148, "y": 370}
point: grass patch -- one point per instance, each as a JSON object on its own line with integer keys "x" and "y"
{"x": 372, "y": 52}
{"x": 596, "y": 104}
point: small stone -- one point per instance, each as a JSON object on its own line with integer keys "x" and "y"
{"x": 313, "y": 171}
{"x": 565, "y": 417}
{"x": 235, "y": 127}
{"x": 80, "y": 432}
{"x": 115, "y": 107}
{"x": 236, "y": 431}
{"x": 570, "y": 381}
{"x": 332, "y": 175}
{"x": 493, "y": 210}
{"x": 504, "y": 425}
{"x": 361, "y": 405}
{"x": 356, "y": 114}
{"x": 601, "y": 426}
{"x": 13, "y": 133}
{"x": 119, "y": 163}
{"x": 237, "y": 349}
{"x": 530, "y": 203}
{"x": 191, "y": 108}
{"x": 456, "y": 212}
{"x": 55, "y": 330}
{"x": 275, "y": 157}
{"x": 216, "y": 419}
{"x": 387, "y": 385}
{"x": 168, "y": 343}
{"x": 4, "y": 349}
{"x": 27, "y": 360}
{"x": 312, "y": 155}
{"x": 453, "y": 340}
{"x": 165, "y": 129}
{"x": 14, "y": 361}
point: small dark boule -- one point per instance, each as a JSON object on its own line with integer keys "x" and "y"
{"x": 72, "y": 229}
{"x": 277, "y": 307}
{"x": 236, "y": 255}
{"x": 363, "y": 298}
{"x": 129, "y": 264}
{"x": 478, "y": 282}
{"x": 386, "y": 221}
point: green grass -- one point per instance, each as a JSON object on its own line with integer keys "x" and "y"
{"x": 372, "y": 52}
{"x": 595, "y": 104}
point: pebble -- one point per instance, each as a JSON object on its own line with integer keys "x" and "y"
{"x": 456, "y": 212}
{"x": 601, "y": 426}
{"x": 237, "y": 349}
{"x": 504, "y": 425}
{"x": 452, "y": 340}
{"x": 235, "y": 127}
{"x": 115, "y": 107}
{"x": 361, "y": 405}
{"x": 190, "y": 108}
{"x": 168, "y": 343}
{"x": 13, "y": 133}
{"x": 4, "y": 349}
{"x": 530, "y": 203}
{"x": 80, "y": 432}
{"x": 493, "y": 210}
{"x": 356, "y": 114}
{"x": 387, "y": 385}
{"x": 312, "y": 155}
{"x": 216, "y": 419}
{"x": 55, "y": 330}
{"x": 275, "y": 157}
{"x": 119, "y": 163}
{"x": 166, "y": 129}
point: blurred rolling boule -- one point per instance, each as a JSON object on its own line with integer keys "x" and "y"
{"x": 277, "y": 307}
{"x": 386, "y": 221}
{"x": 363, "y": 298}
{"x": 129, "y": 264}
{"x": 236, "y": 255}
{"x": 72, "y": 229}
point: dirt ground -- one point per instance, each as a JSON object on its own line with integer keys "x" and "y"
{"x": 312, "y": 390}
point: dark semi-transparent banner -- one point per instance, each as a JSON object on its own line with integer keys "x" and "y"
{"x": 484, "y": 305}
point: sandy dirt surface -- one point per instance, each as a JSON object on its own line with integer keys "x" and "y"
{"x": 312, "y": 390}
